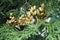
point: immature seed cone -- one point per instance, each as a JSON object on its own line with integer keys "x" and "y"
{"x": 34, "y": 13}
{"x": 17, "y": 26}
{"x": 41, "y": 13}
{"x": 29, "y": 14}
{"x": 27, "y": 20}
{"x": 34, "y": 7}
{"x": 22, "y": 15}
{"x": 38, "y": 12}
{"x": 41, "y": 9}
{"x": 42, "y": 5}
{"x": 8, "y": 22}
{"x": 11, "y": 14}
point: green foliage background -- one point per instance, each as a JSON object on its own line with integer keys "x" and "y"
{"x": 31, "y": 31}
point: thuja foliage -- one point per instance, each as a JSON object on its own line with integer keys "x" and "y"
{"x": 33, "y": 31}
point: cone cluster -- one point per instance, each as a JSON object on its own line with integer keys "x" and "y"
{"x": 33, "y": 14}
